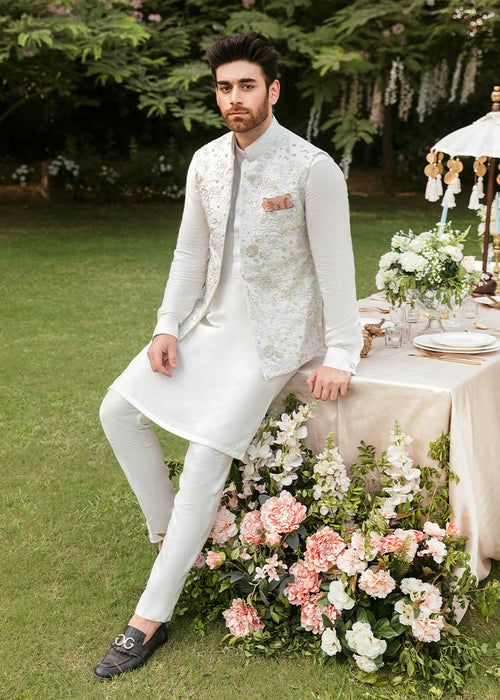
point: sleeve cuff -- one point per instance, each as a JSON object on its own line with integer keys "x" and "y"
{"x": 341, "y": 359}
{"x": 167, "y": 323}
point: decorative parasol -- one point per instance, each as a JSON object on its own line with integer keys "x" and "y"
{"x": 481, "y": 140}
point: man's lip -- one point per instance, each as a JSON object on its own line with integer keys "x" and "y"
{"x": 232, "y": 114}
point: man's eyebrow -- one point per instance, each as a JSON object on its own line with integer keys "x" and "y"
{"x": 241, "y": 80}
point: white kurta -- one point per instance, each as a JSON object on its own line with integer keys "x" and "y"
{"x": 217, "y": 394}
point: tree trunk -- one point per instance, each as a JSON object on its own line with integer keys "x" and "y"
{"x": 388, "y": 151}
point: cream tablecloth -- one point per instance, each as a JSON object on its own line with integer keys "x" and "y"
{"x": 426, "y": 397}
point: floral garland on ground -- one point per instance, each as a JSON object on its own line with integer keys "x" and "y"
{"x": 304, "y": 558}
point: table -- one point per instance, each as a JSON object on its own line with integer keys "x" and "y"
{"x": 427, "y": 397}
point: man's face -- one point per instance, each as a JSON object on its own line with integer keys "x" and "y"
{"x": 242, "y": 96}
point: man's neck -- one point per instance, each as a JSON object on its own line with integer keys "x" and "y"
{"x": 244, "y": 139}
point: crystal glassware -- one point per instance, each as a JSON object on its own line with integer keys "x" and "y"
{"x": 469, "y": 307}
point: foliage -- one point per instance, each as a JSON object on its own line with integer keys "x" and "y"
{"x": 378, "y": 575}
{"x": 428, "y": 266}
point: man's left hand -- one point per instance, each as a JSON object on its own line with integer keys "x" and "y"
{"x": 327, "y": 382}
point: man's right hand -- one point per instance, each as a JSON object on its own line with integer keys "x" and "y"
{"x": 162, "y": 352}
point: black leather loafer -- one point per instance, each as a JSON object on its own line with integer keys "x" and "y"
{"x": 129, "y": 652}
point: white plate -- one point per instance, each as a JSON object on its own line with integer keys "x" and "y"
{"x": 422, "y": 341}
{"x": 487, "y": 301}
{"x": 462, "y": 340}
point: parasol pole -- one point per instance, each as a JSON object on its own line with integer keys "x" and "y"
{"x": 495, "y": 107}
{"x": 489, "y": 203}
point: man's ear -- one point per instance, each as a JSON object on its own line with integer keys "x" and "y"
{"x": 274, "y": 91}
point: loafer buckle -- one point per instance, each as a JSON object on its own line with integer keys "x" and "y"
{"x": 125, "y": 642}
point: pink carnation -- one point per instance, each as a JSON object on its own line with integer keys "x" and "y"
{"x": 283, "y": 514}
{"x": 323, "y": 548}
{"x": 376, "y": 584}
{"x": 427, "y": 629}
{"x": 215, "y": 559}
{"x": 242, "y": 619}
{"x": 251, "y": 528}
{"x": 419, "y": 535}
{"x": 390, "y": 544}
{"x": 272, "y": 538}
{"x": 452, "y": 530}
{"x": 311, "y": 614}
{"x": 435, "y": 549}
{"x": 305, "y": 582}
{"x": 224, "y": 526}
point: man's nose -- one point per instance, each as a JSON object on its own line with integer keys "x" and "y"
{"x": 236, "y": 96}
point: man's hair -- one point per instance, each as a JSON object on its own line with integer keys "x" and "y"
{"x": 247, "y": 46}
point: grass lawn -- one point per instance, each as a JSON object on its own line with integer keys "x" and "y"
{"x": 80, "y": 288}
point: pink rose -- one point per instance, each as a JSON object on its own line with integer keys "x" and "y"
{"x": 323, "y": 548}
{"x": 199, "y": 562}
{"x": 215, "y": 559}
{"x": 272, "y": 538}
{"x": 242, "y": 619}
{"x": 283, "y": 514}
{"x": 251, "y": 528}
{"x": 376, "y": 584}
{"x": 224, "y": 526}
{"x": 391, "y": 543}
{"x": 452, "y": 530}
{"x": 311, "y": 614}
{"x": 349, "y": 562}
{"x": 305, "y": 582}
{"x": 427, "y": 629}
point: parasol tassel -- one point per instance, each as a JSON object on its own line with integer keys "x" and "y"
{"x": 431, "y": 191}
{"x": 456, "y": 185}
{"x": 474, "y": 198}
{"x": 480, "y": 191}
{"x": 449, "y": 198}
{"x": 439, "y": 185}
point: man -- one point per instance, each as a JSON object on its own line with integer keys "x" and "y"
{"x": 262, "y": 281}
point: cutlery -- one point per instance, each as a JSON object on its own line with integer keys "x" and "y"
{"x": 374, "y": 308}
{"x": 445, "y": 359}
{"x": 483, "y": 327}
{"x": 458, "y": 355}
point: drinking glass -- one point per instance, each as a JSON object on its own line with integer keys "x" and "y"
{"x": 394, "y": 335}
{"x": 469, "y": 307}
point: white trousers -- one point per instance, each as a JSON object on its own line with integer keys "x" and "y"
{"x": 186, "y": 516}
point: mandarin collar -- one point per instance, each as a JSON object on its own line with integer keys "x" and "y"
{"x": 260, "y": 145}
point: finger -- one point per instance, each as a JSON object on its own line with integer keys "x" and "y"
{"x": 318, "y": 388}
{"x": 157, "y": 365}
{"x": 343, "y": 389}
{"x": 172, "y": 353}
{"x": 325, "y": 393}
{"x": 334, "y": 393}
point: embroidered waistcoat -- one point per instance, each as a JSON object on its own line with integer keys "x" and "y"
{"x": 283, "y": 296}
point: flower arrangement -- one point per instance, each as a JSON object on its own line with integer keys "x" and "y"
{"x": 429, "y": 266}
{"x": 304, "y": 558}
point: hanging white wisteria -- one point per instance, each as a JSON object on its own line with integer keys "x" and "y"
{"x": 405, "y": 99}
{"x": 432, "y": 87}
{"x": 345, "y": 164}
{"x": 396, "y": 74}
{"x": 456, "y": 79}
{"x": 470, "y": 74}
{"x": 314, "y": 119}
{"x": 376, "y": 111}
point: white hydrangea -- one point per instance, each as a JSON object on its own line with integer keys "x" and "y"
{"x": 363, "y": 642}
{"x": 329, "y": 642}
{"x": 411, "y": 262}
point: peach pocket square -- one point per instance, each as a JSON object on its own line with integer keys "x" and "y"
{"x": 281, "y": 201}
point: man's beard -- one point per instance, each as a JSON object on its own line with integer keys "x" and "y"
{"x": 249, "y": 120}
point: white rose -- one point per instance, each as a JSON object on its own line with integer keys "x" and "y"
{"x": 418, "y": 243}
{"x": 365, "y": 664}
{"x": 329, "y": 642}
{"x": 338, "y": 597}
{"x": 411, "y": 262}
{"x": 468, "y": 262}
{"x": 361, "y": 640}
{"x": 387, "y": 259}
{"x": 406, "y": 612}
{"x": 452, "y": 252}
{"x": 380, "y": 279}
